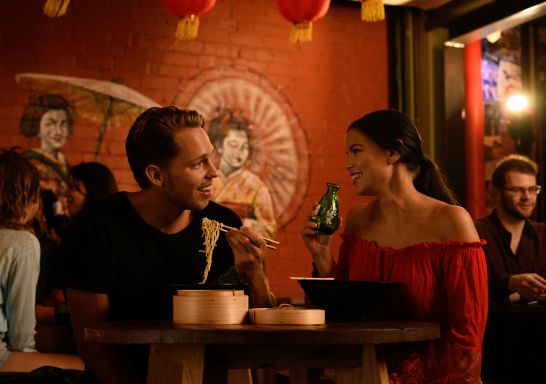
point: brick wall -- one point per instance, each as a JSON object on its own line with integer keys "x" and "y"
{"x": 331, "y": 81}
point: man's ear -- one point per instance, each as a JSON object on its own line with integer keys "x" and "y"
{"x": 153, "y": 173}
{"x": 393, "y": 157}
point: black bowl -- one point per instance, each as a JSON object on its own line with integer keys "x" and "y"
{"x": 351, "y": 300}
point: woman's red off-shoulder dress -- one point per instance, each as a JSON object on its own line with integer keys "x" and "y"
{"x": 442, "y": 282}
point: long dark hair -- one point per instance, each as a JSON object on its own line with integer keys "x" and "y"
{"x": 393, "y": 131}
{"x": 97, "y": 178}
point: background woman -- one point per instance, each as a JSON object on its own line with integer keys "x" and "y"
{"x": 19, "y": 268}
{"x": 88, "y": 184}
{"x": 414, "y": 234}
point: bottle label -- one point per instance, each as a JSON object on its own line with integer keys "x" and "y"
{"x": 329, "y": 216}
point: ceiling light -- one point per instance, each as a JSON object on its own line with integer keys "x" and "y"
{"x": 453, "y": 44}
{"x": 494, "y": 37}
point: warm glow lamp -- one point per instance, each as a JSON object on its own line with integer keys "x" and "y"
{"x": 517, "y": 103}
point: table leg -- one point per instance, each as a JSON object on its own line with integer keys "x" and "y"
{"x": 372, "y": 371}
{"x": 239, "y": 376}
{"x": 175, "y": 363}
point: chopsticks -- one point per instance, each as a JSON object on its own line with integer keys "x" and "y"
{"x": 225, "y": 228}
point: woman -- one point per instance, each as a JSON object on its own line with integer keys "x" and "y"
{"x": 436, "y": 253}
{"x": 88, "y": 184}
{"x": 19, "y": 253}
{"x": 19, "y": 267}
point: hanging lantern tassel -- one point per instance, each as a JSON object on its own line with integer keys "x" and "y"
{"x": 372, "y": 10}
{"x": 55, "y": 8}
{"x": 187, "y": 28}
{"x": 301, "y": 32}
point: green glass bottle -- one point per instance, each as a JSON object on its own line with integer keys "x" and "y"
{"x": 327, "y": 210}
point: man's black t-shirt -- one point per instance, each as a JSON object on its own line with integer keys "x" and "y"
{"x": 113, "y": 251}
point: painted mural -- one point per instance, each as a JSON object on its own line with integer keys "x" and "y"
{"x": 263, "y": 157}
{"x": 237, "y": 187}
{"x": 108, "y": 104}
{"x": 49, "y": 118}
{"x": 262, "y": 152}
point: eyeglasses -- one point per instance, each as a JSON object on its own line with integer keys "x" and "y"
{"x": 534, "y": 190}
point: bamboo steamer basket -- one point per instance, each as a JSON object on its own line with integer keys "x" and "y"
{"x": 287, "y": 314}
{"x": 210, "y": 307}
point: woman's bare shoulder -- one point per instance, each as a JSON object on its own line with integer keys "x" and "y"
{"x": 358, "y": 217}
{"x": 454, "y": 223}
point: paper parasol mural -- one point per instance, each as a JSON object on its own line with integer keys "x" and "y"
{"x": 108, "y": 103}
{"x": 279, "y": 153}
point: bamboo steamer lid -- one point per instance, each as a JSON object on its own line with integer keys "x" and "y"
{"x": 209, "y": 293}
{"x": 287, "y": 314}
{"x": 210, "y": 307}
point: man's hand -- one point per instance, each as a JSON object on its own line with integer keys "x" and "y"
{"x": 527, "y": 285}
{"x": 249, "y": 252}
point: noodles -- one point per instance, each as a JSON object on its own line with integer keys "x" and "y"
{"x": 211, "y": 232}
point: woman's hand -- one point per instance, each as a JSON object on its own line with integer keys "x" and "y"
{"x": 318, "y": 244}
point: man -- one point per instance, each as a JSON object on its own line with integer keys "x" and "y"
{"x": 121, "y": 259}
{"x": 516, "y": 247}
{"x": 516, "y": 258}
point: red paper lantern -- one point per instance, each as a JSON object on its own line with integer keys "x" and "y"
{"x": 189, "y": 12}
{"x": 302, "y": 13}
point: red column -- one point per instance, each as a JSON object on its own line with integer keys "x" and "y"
{"x": 474, "y": 130}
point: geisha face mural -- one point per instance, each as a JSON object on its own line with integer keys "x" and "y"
{"x": 263, "y": 157}
{"x": 53, "y": 130}
{"x": 234, "y": 149}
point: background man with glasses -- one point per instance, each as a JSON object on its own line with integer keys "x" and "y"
{"x": 516, "y": 247}
{"x": 516, "y": 258}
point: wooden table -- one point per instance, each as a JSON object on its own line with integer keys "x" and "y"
{"x": 192, "y": 354}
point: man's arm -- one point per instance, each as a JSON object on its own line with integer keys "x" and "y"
{"x": 104, "y": 360}
{"x": 249, "y": 250}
